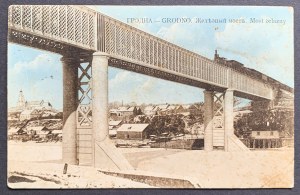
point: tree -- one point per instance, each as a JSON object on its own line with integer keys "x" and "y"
{"x": 166, "y": 124}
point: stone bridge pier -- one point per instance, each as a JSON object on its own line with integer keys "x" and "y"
{"x": 85, "y": 113}
{"x": 70, "y": 65}
{"x": 218, "y": 122}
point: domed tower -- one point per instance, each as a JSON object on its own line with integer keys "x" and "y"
{"x": 21, "y": 100}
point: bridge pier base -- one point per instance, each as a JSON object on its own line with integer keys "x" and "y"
{"x": 228, "y": 114}
{"x": 70, "y": 102}
{"x": 208, "y": 120}
{"x": 219, "y": 122}
{"x": 231, "y": 142}
{"x": 105, "y": 154}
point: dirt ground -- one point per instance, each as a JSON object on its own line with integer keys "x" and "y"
{"x": 217, "y": 169}
{"x": 50, "y": 175}
{"x": 32, "y": 151}
{"x": 39, "y": 165}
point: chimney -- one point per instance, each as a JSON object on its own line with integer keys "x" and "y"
{"x": 216, "y": 55}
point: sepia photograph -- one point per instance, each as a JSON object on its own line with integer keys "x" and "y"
{"x": 119, "y": 97}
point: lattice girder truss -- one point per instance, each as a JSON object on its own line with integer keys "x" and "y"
{"x": 84, "y": 110}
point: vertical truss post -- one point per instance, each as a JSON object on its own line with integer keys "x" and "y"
{"x": 228, "y": 112}
{"x": 218, "y": 120}
{"x": 84, "y": 113}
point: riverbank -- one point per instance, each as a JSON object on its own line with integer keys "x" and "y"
{"x": 216, "y": 169}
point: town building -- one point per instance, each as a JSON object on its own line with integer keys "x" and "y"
{"x": 57, "y": 132}
{"x": 25, "y": 110}
{"x": 113, "y": 126}
{"x": 36, "y": 130}
{"x": 29, "y": 114}
{"x": 132, "y": 131}
{"x": 162, "y": 109}
{"x": 13, "y": 118}
{"x": 185, "y": 111}
{"x": 23, "y": 104}
{"x": 47, "y": 114}
{"x": 43, "y": 134}
{"x": 15, "y": 131}
{"x": 39, "y": 105}
{"x": 264, "y": 139}
{"x": 167, "y": 109}
{"x": 55, "y": 135}
{"x": 172, "y": 109}
{"x": 124, "y": 112}
{"x": 192, "y": 109}
{"x": 179, "y": 109}
{"x": 265, "y": 134}
{"x": 150, "y": 110}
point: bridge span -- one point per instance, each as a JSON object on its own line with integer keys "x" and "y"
{"x": 90, "y": 42}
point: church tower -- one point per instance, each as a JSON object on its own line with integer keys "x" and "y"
{"x": 21, "y": 100}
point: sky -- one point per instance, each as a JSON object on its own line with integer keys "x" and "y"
{"x": 266, "y": 47}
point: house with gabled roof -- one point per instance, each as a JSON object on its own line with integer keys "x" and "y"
{"x": 36, "y": 130}
{"x": 29, "y": 114}
{"x": 15, "y": 131}
{"x": 124, "y": 112}
{"x": 132, "y": 131}
{"x": 113, "y": 126}
{"x": 150, "y": 110}
{"x": 162, "y": 109}
{"x": 188, "y": 109}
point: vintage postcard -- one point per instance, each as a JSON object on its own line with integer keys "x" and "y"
{"x": 150, "y": 96}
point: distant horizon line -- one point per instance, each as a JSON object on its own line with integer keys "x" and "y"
{"x": 135, "y": 103}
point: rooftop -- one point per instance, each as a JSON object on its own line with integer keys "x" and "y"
{"x": 37, "y": 128}
{"x": 114, "y": 123}
{"x": 133, "y": 127}
{"x": 28, "y": 111}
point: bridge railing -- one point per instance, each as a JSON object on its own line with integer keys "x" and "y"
{"x": 247, "y": 84}
{"x": 131, "y": 44}
{"x": 69, "y": 24}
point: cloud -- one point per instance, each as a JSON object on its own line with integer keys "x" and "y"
{"x": 175, "y": 33}
{"x": 145, "y": 90}
{"x": 40, "y": 60}
{"x": 48, "y": 90}
{"x": 119, "y": 79}
{"x": 125, "y": 85}
{"x": 39, "y": 78}
{"x": 124, "y": 78}
{"x": 149, "y": 84}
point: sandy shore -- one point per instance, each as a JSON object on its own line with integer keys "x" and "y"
{"x": 217, "y": 169}
{"x": 50, "y": 175}
{"x": 32, "y": 151}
